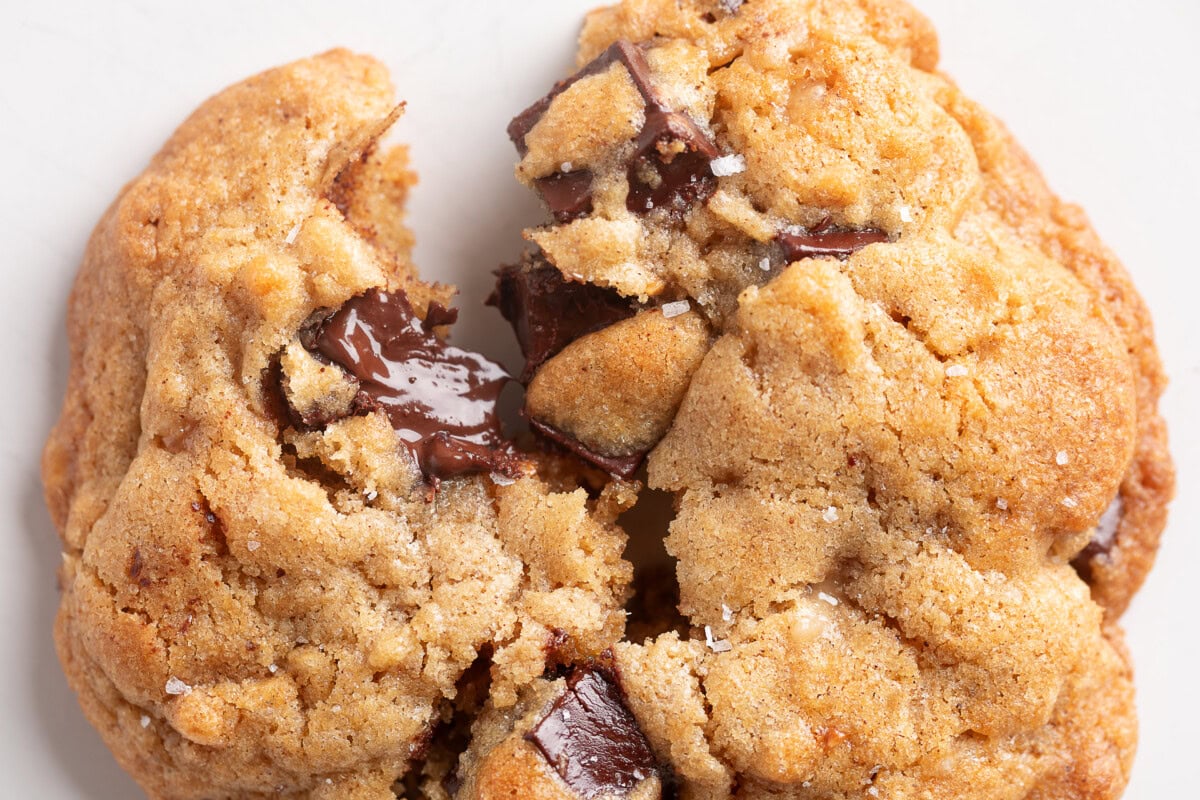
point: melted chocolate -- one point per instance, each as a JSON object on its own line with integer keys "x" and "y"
{"x": 548, "y": 313}
{"x": 670, "y": 166}
{"x": 592, "y": 740}
{"x": 567, "y": 194}
{"x": 620, "y": 466}
{"x": 827, "y": 240}
{"x": 440, "y": 399}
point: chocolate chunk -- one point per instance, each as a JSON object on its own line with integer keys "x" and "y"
{"x": 548, "y": 313}
{"x": 592, "y": 740}
{"x": 620, "y": 466}
{"x": 440, "y": 399}
{"x": 568, "y": 194}
{"x": 827, "y": 239}
{"x": 670, "y": 167}
{"x": 1103, "y": 539}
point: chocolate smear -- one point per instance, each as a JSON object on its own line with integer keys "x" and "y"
{"x": 440, "y": 399}
{"x": 567, "y": 194}
{"x": 548, "y": 313}
{"x": 670, "y": 165}
{"x": 624, "y": 467}
{"x": 592, "y": 740}
{"x": 826, "y": 240}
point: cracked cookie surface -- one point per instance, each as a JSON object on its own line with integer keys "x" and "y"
{"x": 263, "y": 595}
{"x": 916, "y": 458}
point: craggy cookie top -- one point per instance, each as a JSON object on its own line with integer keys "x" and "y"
{"x": 290, "y": 520}
{"x": 900, "y": 388}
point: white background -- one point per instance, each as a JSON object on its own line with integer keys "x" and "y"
{"x": 1104, "y": 94}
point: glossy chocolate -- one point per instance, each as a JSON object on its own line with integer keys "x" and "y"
{"x": 827, "y": 240}
{"x": 440, "y": 399}
{"x": 1103, "y": 539}
{"x": 567, "y": 194}
{"x": 548, "y": 313}
{"x": 592, "y": 740}
{"x": 624, "y": 467}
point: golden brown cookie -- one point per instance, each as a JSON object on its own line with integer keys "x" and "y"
{"x": 921, "y": 409}
{"x": 282, "y": 556}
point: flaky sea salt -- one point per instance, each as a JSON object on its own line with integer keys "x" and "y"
{"x": 830, "y": 515}
{"x": 676, "y": 309}
{"x": 716, "y": 645}
{"x": 827, "y": 598}
{"x": 1070, "y": 502}
{"x": 726, "y": 613}
{"x": 273, "y": 668}
{"x": 957, "y": 371}
{"x": 252, "y": 545}
{"x": 1062, "y": 458}
{"x": 567, "y": 166}
{"x": 906, "y": 214}
{"x": 1002, "y": 504}
{"x": 728, "y": 165}
{"x": 176, "y": 687}
{"x": 145, "y": 721}
{"x": 765, "y": 265}
{"x": 501, "y": 480}
{"x": 292, "y": 234}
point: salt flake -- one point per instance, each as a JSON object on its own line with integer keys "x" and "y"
{"x": 253, "y": 545}
{"x": 292, "y": 234}
{"x": 765, "y": 265}
{"x": 1070, "y": 502}
{"x": 145, "y": 721}
{"x": 567, "y": 166}
{"x": 726, "y": 613}
{"x": 501, "y": 480}
{"x": 827, "y": 598}
{"x": 1002, "y": 504}
{"x": 830, "y": 515}
{"x": 176, "y": 687}
{"x": 906, "y": 214}
{"x": 716, "y": 645}
{"x": 957, "y": 371}
{"x": 1062, "y": 458}
{"x": 728, "y": 165}
{"x": 676, "y": 309}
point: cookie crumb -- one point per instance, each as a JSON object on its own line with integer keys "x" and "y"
{"x": 956, "y": 371}
{"x": 830, "y": 515}
{"x": 145, "y": 721}
{"x": 728, "y": 165}
{"x": 676, "y": 309}
{"x": 176, "y": 687}
{"x": 1062, "y": 458}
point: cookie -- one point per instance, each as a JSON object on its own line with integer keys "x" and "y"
{"x": 299, "y": 552}
{"x": 904, "y": 400}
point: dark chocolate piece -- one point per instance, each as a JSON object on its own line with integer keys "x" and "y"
{"x": 548, "y": 312}
{"x": 826, "y": 240}
{"x": 620, "y": 466}
{"x": 567, "y": 194}
{"x": 1103, "y": 539}
{"x": 440, "y": 399}
{"x": 592, "y": 740}
{"x": 671, "y": 167}
{"x": 671, "y": 163}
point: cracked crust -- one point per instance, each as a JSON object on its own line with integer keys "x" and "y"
{"x": 886, "y": 468}
{"x": 249, "y": 610}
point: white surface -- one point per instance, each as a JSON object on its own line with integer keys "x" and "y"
{"x": 1103, "y": 94}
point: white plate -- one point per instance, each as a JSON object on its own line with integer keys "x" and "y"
{"x": 1104, "y": 98}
